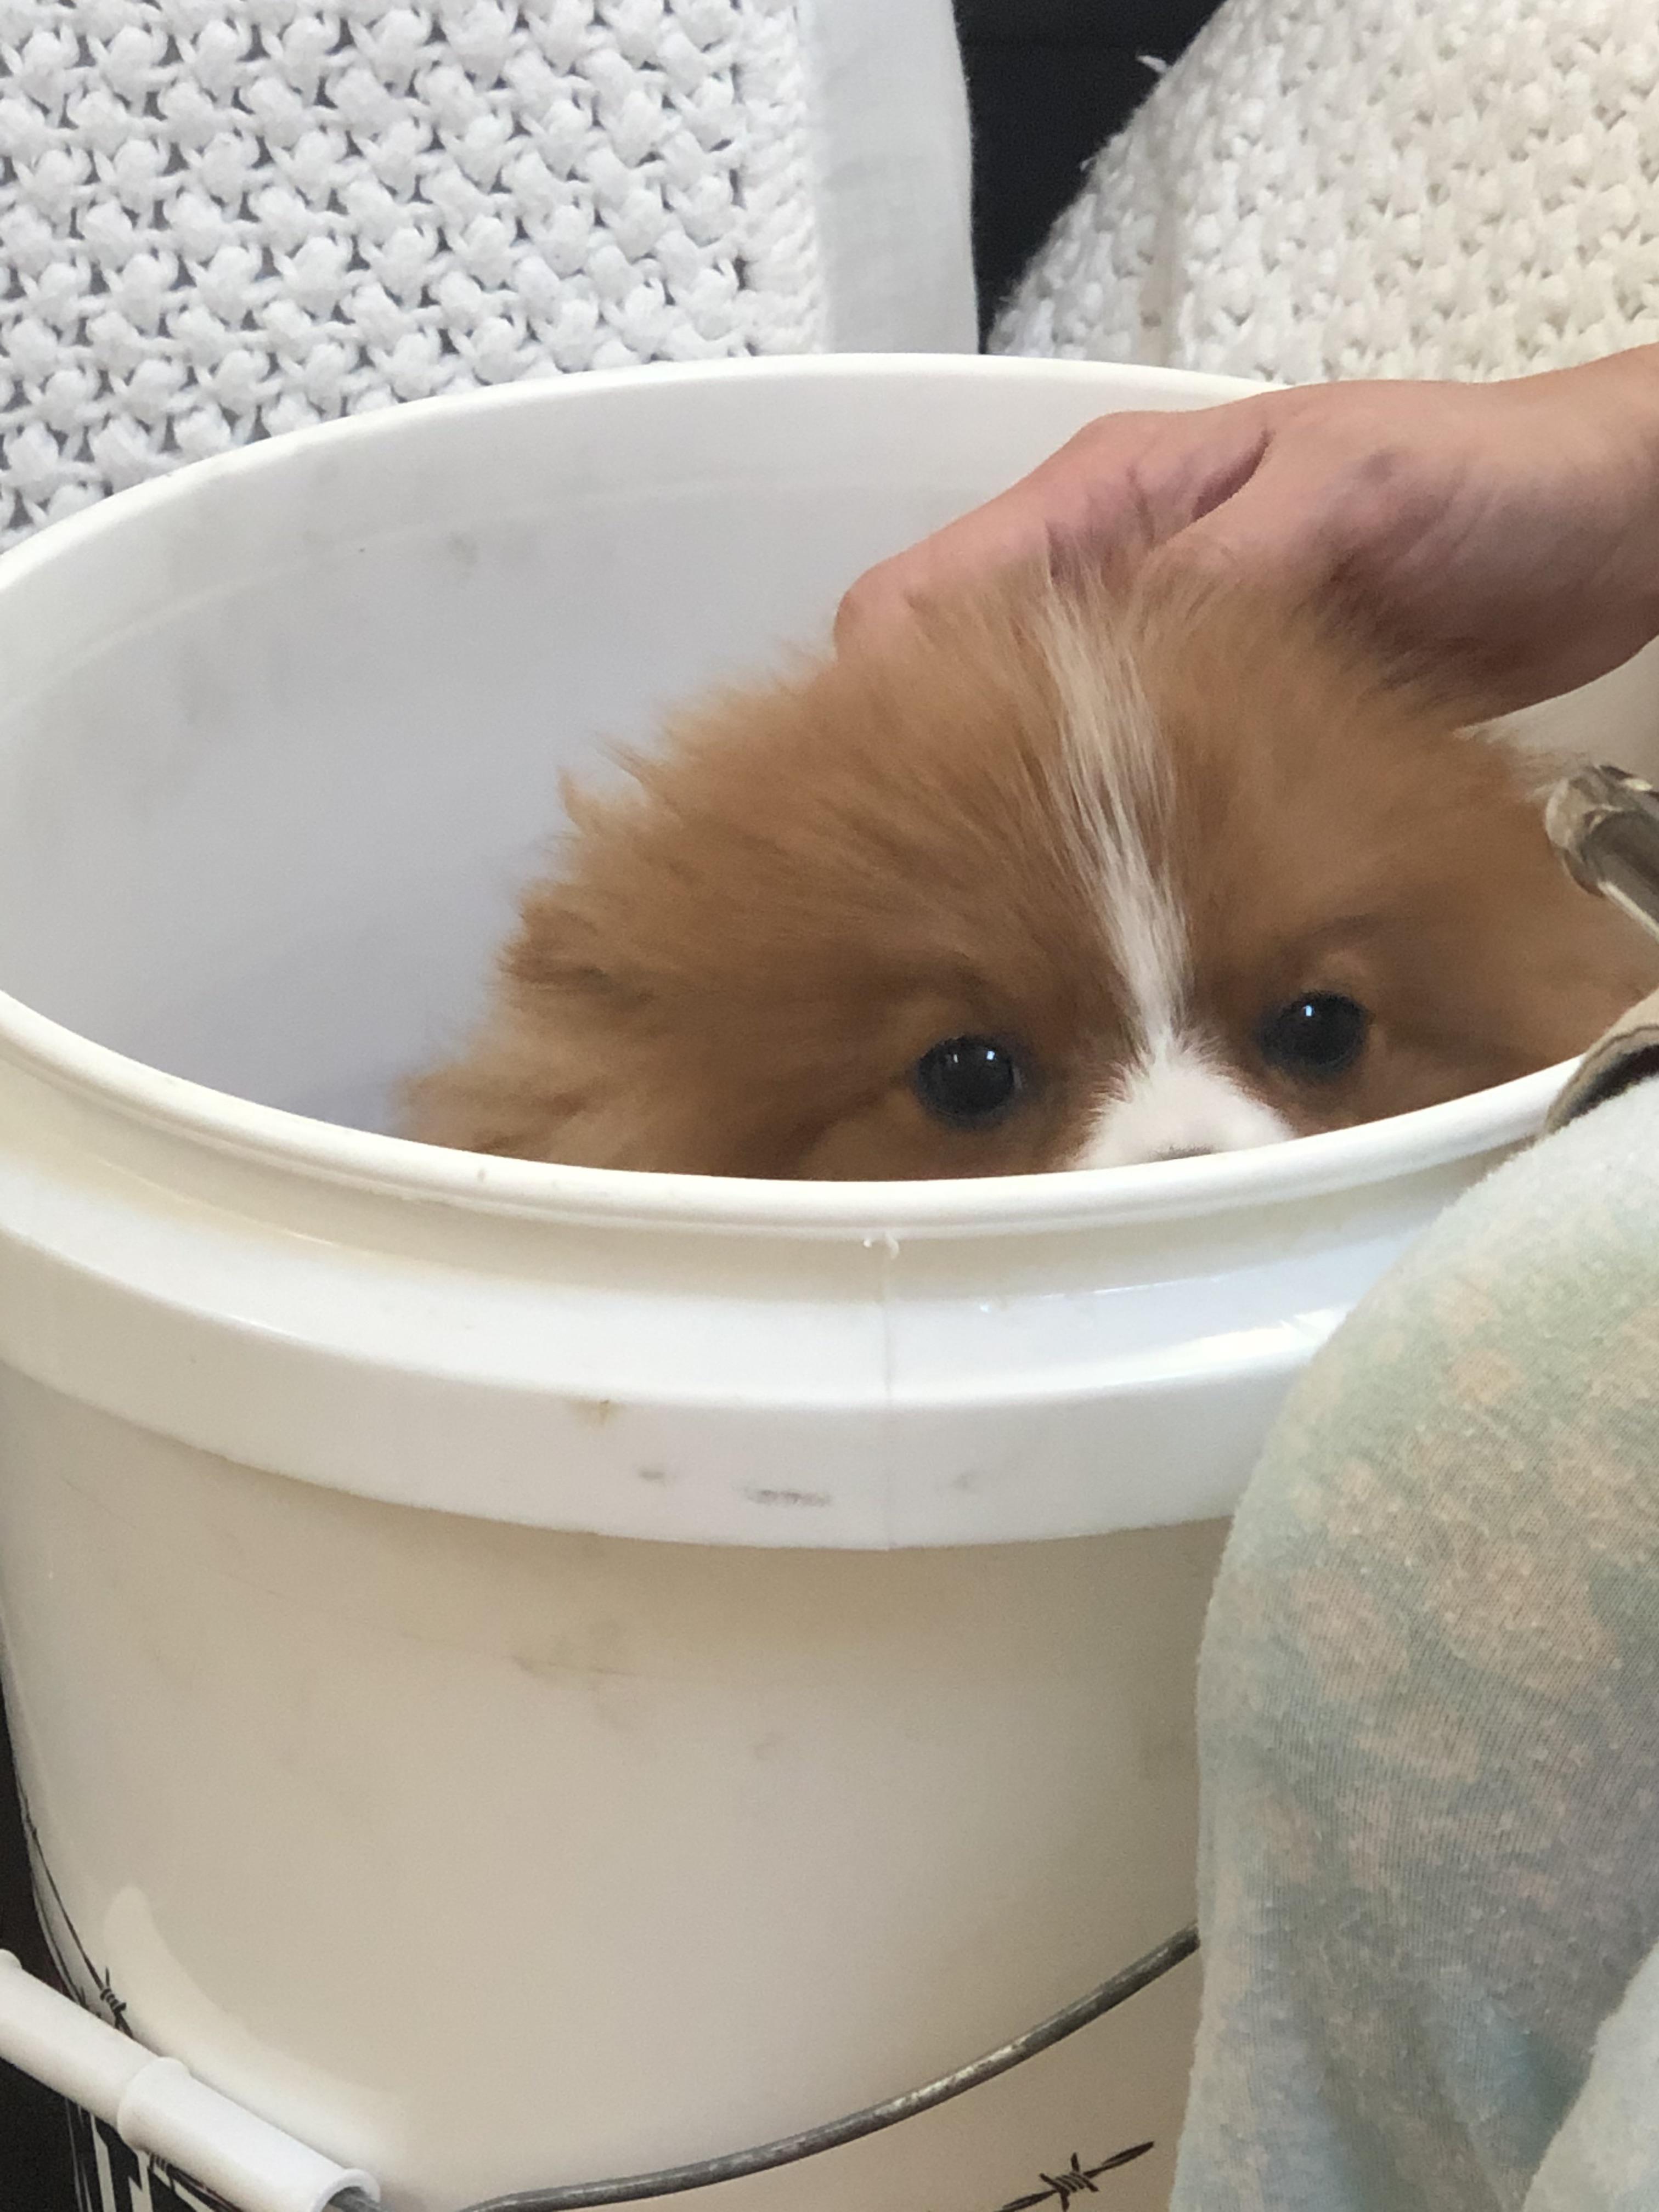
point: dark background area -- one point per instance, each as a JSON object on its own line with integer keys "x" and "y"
{"x": 1048, "y": 82}
{"x": 34, "y": 2163}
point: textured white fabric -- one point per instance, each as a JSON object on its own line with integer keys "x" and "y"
{"x": 1323, "y": 188}
{"x": 220, "y": 219}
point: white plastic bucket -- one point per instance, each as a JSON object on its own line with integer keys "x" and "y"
{"x": 520, "y": 1673}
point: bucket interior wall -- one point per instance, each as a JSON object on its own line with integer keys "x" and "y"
{"x": 267, "y": 835}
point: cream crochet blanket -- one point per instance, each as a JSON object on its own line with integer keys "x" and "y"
{"x": 222, "y": 219}
{"x": 1324, "y": 188}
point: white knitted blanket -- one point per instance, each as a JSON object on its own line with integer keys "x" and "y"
{"x": 224, "y": 218}
{"x": 1323, "y": 188}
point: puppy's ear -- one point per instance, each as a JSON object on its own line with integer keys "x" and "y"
{"x": 559, "y": 949}
{"x": 484, "y": 1102}
{"x": 534, "y": 1084}
{"x": 534, "y": 1071}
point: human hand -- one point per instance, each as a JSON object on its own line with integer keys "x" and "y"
{"x": 1513, "y": 527}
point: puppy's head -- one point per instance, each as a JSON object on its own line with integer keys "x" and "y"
{"x": 1062, "y": 875}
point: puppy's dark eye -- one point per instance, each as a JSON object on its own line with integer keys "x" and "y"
{"x": 969, "y": 1082}
{"x": 1321, "y": 1035}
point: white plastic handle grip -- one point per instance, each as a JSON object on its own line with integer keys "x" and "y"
{"x": 157, "y": 2106}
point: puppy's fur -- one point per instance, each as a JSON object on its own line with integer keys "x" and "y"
{"x": 1111, "y": 832}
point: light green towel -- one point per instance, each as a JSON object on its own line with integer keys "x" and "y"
{"x": 1428, "y": 1710}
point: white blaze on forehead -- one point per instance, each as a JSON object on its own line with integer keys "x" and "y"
{"x": 1118, "y": 790}
{"x": 1175, "y": 1097}
{"x": 1175, "y": 1101}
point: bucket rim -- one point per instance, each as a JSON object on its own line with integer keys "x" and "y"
{"x": 136, "y": 1093}
{"x": 1077, "y": 1198}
